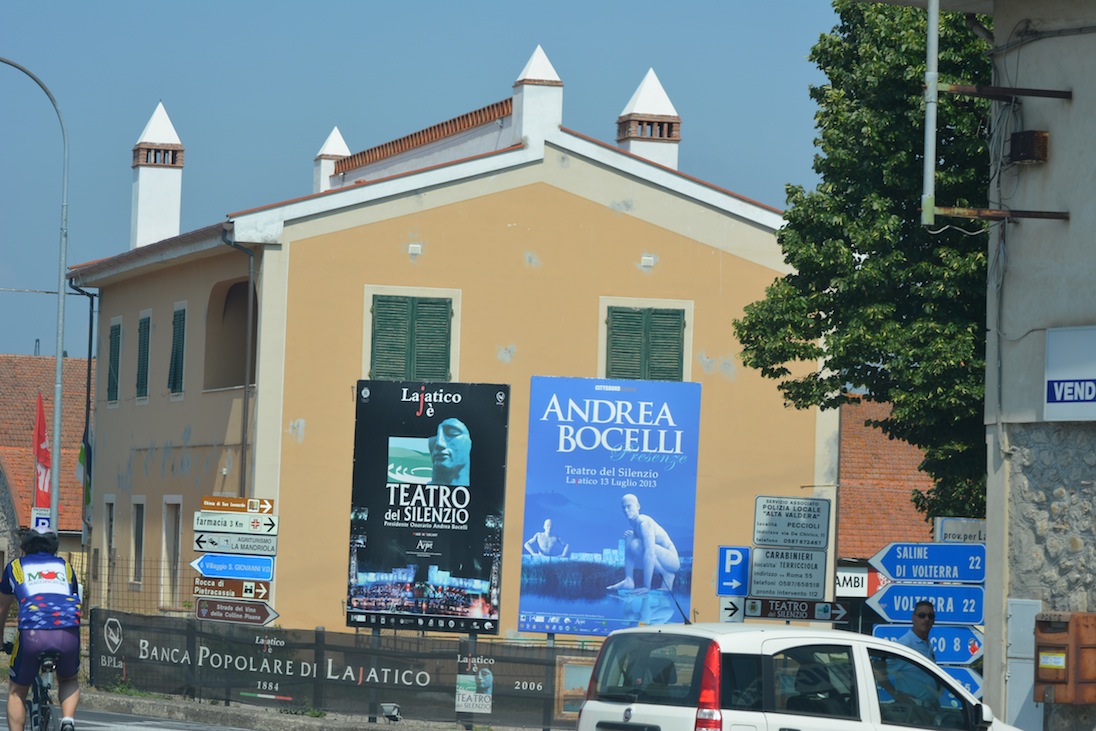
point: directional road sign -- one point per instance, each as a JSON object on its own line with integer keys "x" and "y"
{"x": 788, "y": 573}
{"x": 215, "y": 522}
{"x": 227, "y": 566}
{"x": 730, "y": 608}
{"x": 236, "y": 543}
{"x": 239, "y": 611}
{"x": 969, "y": 679}
{"x": 953, "y": 562}
{"x": 955, "y": 603}
{"x": 953, "y": 644}
{"x": 230, "y": 588}
{"x": 261, "y": 505}
{"x": 733, "y": 574}
{"x": 791, "y": 521}
{"x": 809, "y": 611}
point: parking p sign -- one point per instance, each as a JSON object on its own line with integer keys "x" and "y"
{"x": 39, "y": 517}
{"x": 733, "y": 574}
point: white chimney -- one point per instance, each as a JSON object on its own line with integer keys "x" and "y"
{"x": 333, "y": 150}
{"x": 649, "y": 125}
{"x": 537, "y": 101}
{"x": 157, "y": 182}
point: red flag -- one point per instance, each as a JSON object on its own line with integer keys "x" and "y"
{"x": 41, "y": 459}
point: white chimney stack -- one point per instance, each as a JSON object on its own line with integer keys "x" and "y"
{"x": 157, "y": 182}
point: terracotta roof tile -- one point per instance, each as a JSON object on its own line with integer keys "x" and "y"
{"x": 21, "y": 379}
{"x": 877, "y": 477}
{"x": 439, "y": 131}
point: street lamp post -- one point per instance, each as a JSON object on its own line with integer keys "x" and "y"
{"x": 62, "y": 269}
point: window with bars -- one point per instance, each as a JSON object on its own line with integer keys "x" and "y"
{"x": 113, "y": 361}
{"x": 144, "y": 326}
{"x": 178, "y": 341}
{"x": 645, "y": 343}
{"x": 411, "y": 338}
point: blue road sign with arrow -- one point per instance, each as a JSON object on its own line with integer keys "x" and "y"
{"x": 953, "y": 644}
{"x": 955, "y": 562}
{"x": 966, "y": 677}
{"x": 954, "y": 603}
{"x": 228, "y": 566}
{"x": 733, "y": 577}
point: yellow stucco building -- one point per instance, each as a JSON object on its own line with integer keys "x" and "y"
{"x": 529, "y": 231}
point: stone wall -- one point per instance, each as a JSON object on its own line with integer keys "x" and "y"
{"x": 1052, "y": 502}
{"x": 1052, "y": 531}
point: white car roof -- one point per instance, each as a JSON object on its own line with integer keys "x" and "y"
{"x": 742, "y": 637}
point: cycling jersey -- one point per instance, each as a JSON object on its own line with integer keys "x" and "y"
{"x": 45, "y": 588}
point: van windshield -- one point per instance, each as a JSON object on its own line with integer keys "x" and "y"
{"x": 650, "y": 668}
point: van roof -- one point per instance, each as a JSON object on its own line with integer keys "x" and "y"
{"x": 749, "y": 637}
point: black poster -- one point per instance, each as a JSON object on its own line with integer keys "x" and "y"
{"x": 427, "y": 506}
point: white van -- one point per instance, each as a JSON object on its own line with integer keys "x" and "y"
{"x": 753, "y": 677}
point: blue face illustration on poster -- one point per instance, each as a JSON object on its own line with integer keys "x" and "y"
{"x": 610, "y": 498}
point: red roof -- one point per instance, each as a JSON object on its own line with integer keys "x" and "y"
{"x": 22, "y": 377}
{"x": 877, "y": 476}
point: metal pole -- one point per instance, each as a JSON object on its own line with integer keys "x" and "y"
{"x": 932, "y": 53}
{"x": 62, "y": 269}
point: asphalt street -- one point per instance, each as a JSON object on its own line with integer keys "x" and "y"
{"x": 181, "y": 714}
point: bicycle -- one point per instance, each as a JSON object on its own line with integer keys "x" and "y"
{"x": 42, "y": 713}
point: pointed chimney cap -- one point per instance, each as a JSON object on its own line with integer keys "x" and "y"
{"x": 159, "y": 130}
{"x": 335, "y": 146}
{"x": 539, "y": 70}
{"x": 650, "y": 98}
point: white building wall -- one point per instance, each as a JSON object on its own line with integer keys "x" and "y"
{"x": 1041, "y": 475}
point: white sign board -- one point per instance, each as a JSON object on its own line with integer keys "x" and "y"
{"x": 217, "y": 522}
{"x": 788, "y": 573}
{"x": 39, "y": 517}
{"x": 730, "y": 609}
{"x": 959, "y": 530}
{"x": 797, "y": 522}
{"x": 1069, "y": 388}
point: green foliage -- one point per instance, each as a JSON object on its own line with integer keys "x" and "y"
{"x": 879, "y": 307}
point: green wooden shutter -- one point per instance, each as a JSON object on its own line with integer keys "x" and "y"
{"x": 432, "y": 322}
{"x": 645, "y": 343}
{"x": 143, "y": 328}
{"x": 411, "y": 338}
{"x": 391, "y": 339}
{"x": 178, "y": 339}
{"x": 112, "y": 369}
{"x": 666, "y": 345}
{"x": 624, "y": 351}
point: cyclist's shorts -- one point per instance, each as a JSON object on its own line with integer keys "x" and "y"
{"x": 30, "y": 642}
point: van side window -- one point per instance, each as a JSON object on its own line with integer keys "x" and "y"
{"x": 741, "y": 678}
{"x": 815, "y": 680}
{"x": 911, "y": 694}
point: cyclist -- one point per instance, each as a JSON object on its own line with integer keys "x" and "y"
{"x": 49, "y": 619}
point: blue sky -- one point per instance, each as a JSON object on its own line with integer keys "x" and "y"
{"x": 254, "y": 88}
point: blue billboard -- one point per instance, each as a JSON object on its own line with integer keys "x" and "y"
{"x": 610, "y": 502}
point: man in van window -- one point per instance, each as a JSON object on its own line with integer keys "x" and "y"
{"x": 910, "y": 683}
{"x": 917, "y": 638}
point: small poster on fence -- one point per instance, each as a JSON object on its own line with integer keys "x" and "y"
{"x": 475, "y": 683}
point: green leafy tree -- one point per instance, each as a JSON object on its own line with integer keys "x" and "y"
{"x": 878, "y": 306}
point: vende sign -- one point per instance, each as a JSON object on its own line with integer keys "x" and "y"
{"x": 859, "y": 581}
{"x": 1070, "y": 374}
